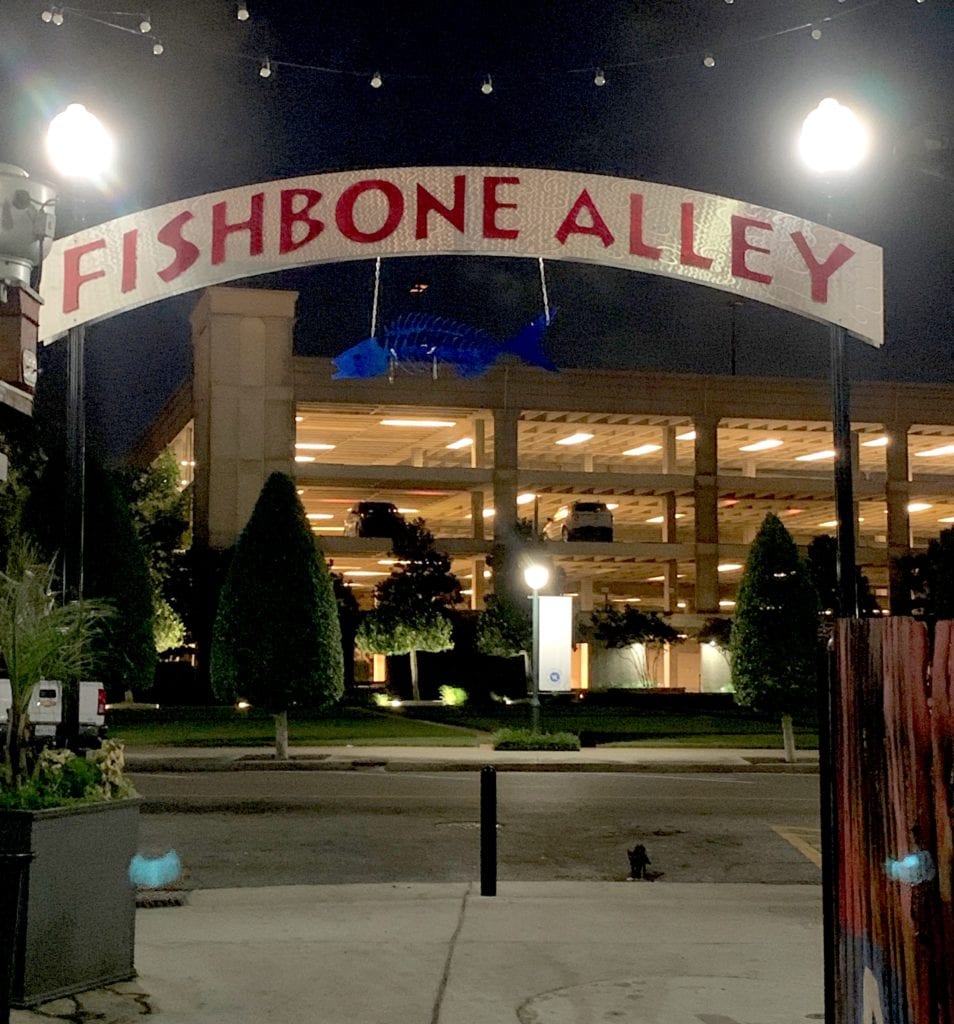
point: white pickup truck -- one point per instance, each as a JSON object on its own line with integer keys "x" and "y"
{"x": 60, "y": 718}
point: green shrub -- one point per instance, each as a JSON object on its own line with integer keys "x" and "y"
{"x": 524, "y": 739}
{"x": 453, "y": 696}
{"x": 61, "y": 779}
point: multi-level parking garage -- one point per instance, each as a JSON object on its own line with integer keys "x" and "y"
{"x": 689, "y": 464}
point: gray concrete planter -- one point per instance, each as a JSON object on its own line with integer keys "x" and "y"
{"x": 77, "y": 909}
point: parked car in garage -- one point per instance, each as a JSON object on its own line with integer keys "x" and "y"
{"x": 580, "y": 520}
{"x": 372, "y": 519}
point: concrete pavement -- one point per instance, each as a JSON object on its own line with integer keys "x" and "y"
{"x": 537, "y": 953}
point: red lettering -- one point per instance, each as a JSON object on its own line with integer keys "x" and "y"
{"x": 597, "y": 225}
{"x": 221, "y": 229}
{"x": 741, "y": 245}
{"x": 688, "y": 256}
{"x": 72, "y": 278}
{"x": 130, "y": 256}
{"x": 821, "y": 272}
{"x": 344, "y": 210}
{"x": 428, "y": 203}
{"x": 289, "y": 217}
{"x": 186, "y": 253}
{"x": 492, "y": 204}
{"x": 636, "y": 244}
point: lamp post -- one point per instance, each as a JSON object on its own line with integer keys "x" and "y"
{"x": 833, "y": 141}
{"x": 80, "y": 149}
{"x": 536, "y": 577}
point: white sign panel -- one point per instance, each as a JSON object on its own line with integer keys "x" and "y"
{"x": 556, "y": 643}
{"x": 747, "y": 250}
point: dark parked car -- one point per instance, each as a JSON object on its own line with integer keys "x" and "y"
{"x": 372, "y": 519}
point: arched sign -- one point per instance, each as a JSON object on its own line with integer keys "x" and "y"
{"x": 747, "y": 250}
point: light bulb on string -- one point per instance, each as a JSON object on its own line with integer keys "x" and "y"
{"x": 157, "y": 48}
{"x": 57, "y": 16}
{"x": 242, "y": 11}
{"x": 265, "y": 71}
{"x": 376, "y": 80}
{"x": 145, "y": 26}
{"x": 709, "y": 61}
{"x": 816, "y": 32}
{"x": 46, "y": 15}
{"x": 488, "y": 86}
{"x": 599, "y": 78}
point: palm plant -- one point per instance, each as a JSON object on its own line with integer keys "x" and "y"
{"x": 39, "y": 639}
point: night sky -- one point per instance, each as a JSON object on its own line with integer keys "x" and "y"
{"x": 199, "y": 118}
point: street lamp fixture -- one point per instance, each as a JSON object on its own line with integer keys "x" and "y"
{"x": 536, "y": 577}
{"x": 81, "y": 150}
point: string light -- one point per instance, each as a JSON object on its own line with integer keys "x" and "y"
{"x": 157, "y": 48}
{"x": 145, "y": 26}
{"x": 265, "y": 71}
{"x": 376, "y": 80}
{"x": 242, "y": 11}
{"x": 709, "y": 60}
{"x": 816, "y": 32}
{"x": 599, "y": 78}
{"x": 46, "y": 15}
{"x": 57, "y": 15}
{"x": 488, "y": 87}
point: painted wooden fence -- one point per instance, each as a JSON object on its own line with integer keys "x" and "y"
{"x": 893, "y": 754}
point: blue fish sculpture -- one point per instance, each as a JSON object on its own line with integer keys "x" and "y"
{"x": 417, "y": 338}
{"x": 155, "y": 872}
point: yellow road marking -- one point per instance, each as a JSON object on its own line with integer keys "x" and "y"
{"x": 806, "y": 840}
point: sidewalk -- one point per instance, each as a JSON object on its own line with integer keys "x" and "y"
{"x": 408, "y": 758}
{"x": 537, "y": 953}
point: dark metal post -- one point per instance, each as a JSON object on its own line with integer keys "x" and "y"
{"x": 75, "y": 463}
{"x": 488, "y": 831}
{"x": 13, "y": 867}
{"x": 844, "y": 497}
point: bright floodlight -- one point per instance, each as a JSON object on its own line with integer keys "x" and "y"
{"x": 78, "y": 145}
{"x": 536, "y": 576}
{"x": 833, "y": 138}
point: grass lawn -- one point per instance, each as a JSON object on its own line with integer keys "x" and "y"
{"x": 441, "y": 726}
{"x": 226, "y": 727}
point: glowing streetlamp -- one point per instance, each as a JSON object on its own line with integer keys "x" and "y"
{"x": 80, "y": 149}
{"x": 536, "y": 577}
{"x": 834, "y": 141}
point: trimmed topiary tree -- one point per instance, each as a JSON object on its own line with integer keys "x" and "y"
{"x": 276, "y": 639}
{"x": 775, "y": 631}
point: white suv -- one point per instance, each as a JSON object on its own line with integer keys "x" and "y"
{"x": 580, "y": 520}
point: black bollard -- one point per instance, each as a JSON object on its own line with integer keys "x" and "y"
{"x": 488, "y": 831}
{"x": 13, "y": 868}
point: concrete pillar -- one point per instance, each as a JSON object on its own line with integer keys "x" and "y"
{"x": 477, "y": 514}
{"x": 585, "y": 589}
{"x": 671, "y": 568}
{"x": 669, "y": 463}
{"x": 478, "y": 452}
{"x": 587, "y": 463}
{"x": 417, "y": 457}
{"x": 706, "y": 496}
{"x": 897, "y": 496}
{"x": 505, "y": 473}
{"x": 478, "y": 585}
{"x": 244, "y": 402}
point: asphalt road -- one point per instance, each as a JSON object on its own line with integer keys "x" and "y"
{"x": 284, "y": 828}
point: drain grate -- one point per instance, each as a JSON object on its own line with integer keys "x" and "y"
{"x": 147, "y": 899}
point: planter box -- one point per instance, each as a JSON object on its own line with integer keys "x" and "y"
{"x": 77, "y": 909}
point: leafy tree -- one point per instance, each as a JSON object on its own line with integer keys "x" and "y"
{"x": 349, "y": 616}
{"x": 632, "y": 630}
{"x": 412, "y": 604}
{"x": 276, "y": 638}
{"x": 775, "y": 630}
{"x": 823, "y": 569}
{"x": 929, "y": 578}
{"x": 504, "y": 630}
{"x": 39, "y": 639}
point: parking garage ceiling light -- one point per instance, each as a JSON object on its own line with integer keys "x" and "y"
{"x": 643, "y": 449}
{"x": 946, "y": 519}
{"x": 304, "y": 458}
{"x": 919, "y": 506}
{"x": 689, "y": 435}
{"x": 815, "y": 456}
{"x": 729, "y": 566}
{"x": 314, "y": 446}
{"x": 578, "y": 438}
{"x": 876, "y": 442}
{"x": 762, "y": 446}
{"x": 945, "y": 449}
{"x": 418, "y": 423}
{"x": 525, "y": 499}
{"x": 408, "y": 511}
{"x": 464, "y": 442}
{"x": 319, "y": 515}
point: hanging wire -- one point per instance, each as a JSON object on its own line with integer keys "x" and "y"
{"x": 543, "y": 288}
{"x": 374, "y": 301}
